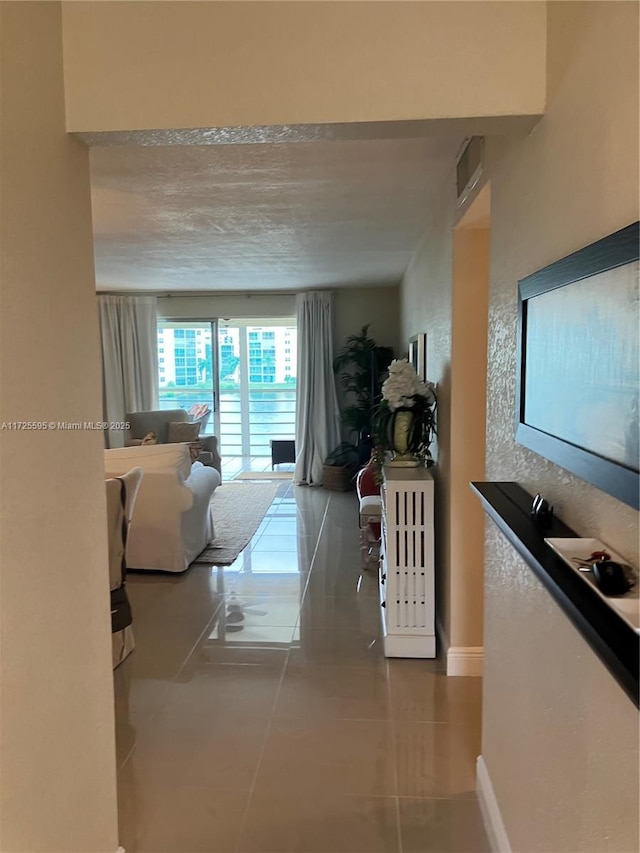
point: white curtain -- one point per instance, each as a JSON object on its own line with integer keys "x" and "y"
{"x": 317, "y": 414}
{"x": 129, "y": 331}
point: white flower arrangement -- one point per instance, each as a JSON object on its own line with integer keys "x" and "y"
{"x": 408, "y": 440}
{"x": 403, "y": 388}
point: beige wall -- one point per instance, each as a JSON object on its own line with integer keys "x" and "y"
{"x": 426, "y": 306}
{"x": 131, "y": 65}
{"x": 378, "y": 306}
{"x": 57, "y": 752}
{"x": 468, "y": 413}
{"x": 560, "y": 737}
{"x": 444, "y": 293}
{"x": 232, "y": 305}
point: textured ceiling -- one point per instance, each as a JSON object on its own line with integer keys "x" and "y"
{"x": 274, "y": 216}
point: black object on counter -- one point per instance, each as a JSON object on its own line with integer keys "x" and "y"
{"x": 609, "y": 635}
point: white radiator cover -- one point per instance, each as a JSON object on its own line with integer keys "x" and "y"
{"x": 407, "y": 594}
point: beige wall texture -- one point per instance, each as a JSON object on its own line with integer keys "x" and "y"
{"x": 467, "y": 436}
{"x": 377, "y": 306}
{"x": 560, "y": 738}
{"x": 234, "y": 305}
{"x": 426, "y": 306}
{"x": 131, "y": 65}
{"x": 57, "y": 751}
{"x": 444, "y": 293}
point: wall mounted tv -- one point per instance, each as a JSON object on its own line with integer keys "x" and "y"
{"x": 577, "y": 381}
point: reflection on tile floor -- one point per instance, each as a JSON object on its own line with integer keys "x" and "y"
{"x": 258, "y": 713}
{"x": 234, "y": 465}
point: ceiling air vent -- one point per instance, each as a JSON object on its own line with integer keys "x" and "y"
{"x": 469, "y": 166}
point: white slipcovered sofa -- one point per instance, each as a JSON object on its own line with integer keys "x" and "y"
{"x": 171, "y": 522}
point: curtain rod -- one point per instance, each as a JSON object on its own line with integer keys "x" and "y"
{"x": 178, "y": 295}
{"x": 159, "y": 294}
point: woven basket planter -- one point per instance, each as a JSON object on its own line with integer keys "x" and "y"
{"x": 339, "y": 478}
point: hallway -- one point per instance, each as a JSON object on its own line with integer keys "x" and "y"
{"x": 259, "y": 715}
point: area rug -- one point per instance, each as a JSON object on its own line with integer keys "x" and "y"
{"x": 264, "y": 475}
{"x": 238, "y": 509}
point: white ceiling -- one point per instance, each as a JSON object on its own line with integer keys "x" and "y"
{"x": 270, "y": 216}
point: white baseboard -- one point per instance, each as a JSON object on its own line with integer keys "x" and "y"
{"x": 496, "y": 832}
{"x": 465, "y": 660}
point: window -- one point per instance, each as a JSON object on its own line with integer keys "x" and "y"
{"x": 185, "y": 368}
{"x": 247, "y": 364}
{"x": 257, "y": 398}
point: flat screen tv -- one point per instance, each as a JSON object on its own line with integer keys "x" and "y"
{"x": 577, "y": 382}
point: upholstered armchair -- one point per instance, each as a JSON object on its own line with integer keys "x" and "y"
{"x": 142, "y": 423}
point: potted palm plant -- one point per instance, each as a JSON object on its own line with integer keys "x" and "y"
{"x": 340, "y": 468}
{"x": 359, "y": 366}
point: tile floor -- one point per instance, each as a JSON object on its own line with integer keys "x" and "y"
{"x": 233, "y": 465}
{"x": 259, "y": 715}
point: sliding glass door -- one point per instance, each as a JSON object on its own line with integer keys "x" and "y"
{"x": 187, "y": 370}
{"x": 257, "y": 385}
{"x": 243, "y": 372}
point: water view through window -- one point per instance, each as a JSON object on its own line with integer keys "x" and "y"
{"x": 247, "y": 381}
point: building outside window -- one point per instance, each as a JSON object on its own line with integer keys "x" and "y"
{"x": 240, "y": 371}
